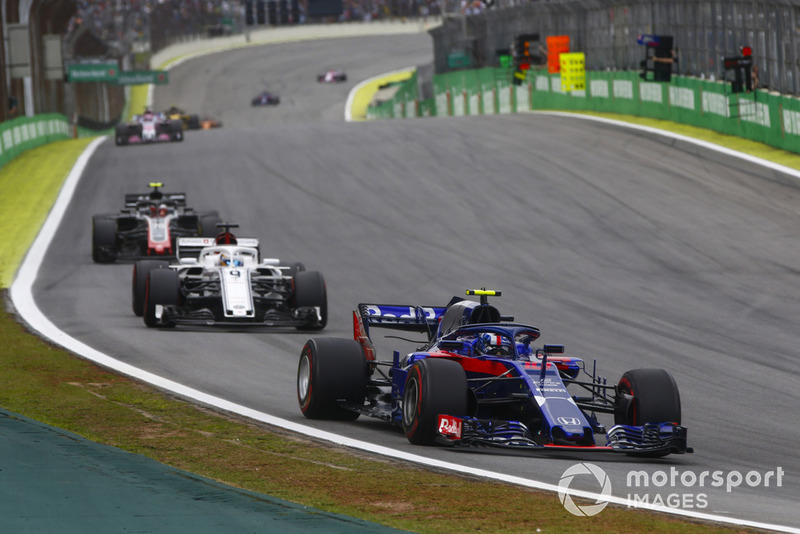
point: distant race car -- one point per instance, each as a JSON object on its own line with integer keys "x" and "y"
{"x": 191, "y": 121}
{"x": 148, "y": 128}
{"x": 478, "y": 382}
{"x": 224, "y": 281}
{"x": 148, "y": 226}
{"x": 332, "y": 76}
{"x": 266, "y": 99}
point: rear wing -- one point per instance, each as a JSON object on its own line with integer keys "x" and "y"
{"x": 171, "y": 199}
{"x": 401, "y": 317}
{"x": 190, "y": 247}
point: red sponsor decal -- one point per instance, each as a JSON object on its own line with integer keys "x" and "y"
{"x": 450, "y": 427}
{"x": 360, "y": 335}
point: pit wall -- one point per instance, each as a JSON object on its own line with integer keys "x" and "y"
{"x": 762, "y": 116}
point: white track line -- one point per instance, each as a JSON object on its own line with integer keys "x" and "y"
{"x": 22, "y": 298}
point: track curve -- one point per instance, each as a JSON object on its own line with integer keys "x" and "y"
{"x": 627, "y": 247}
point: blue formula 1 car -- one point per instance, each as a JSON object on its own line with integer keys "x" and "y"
{"x": 479, "y": 382}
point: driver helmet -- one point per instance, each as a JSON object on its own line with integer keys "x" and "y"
{"x": 226, "y": 238}
{"x": 495, "y": 344}
{"x": 226, "y": 260}
{"x": 163, "y": 210}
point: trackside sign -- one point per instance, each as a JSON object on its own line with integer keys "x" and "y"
{"x": 93, "y": 72}
{"x": 143, "y": 77}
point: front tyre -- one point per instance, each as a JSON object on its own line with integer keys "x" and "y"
{"x": 433, "y": 386}
{"x": 310, "y": 291}
{"x": 162, "y": 286}
{"x": 331, "y": 371}
{"x": 121, "y": 134}
{"x": 647, "y": 396}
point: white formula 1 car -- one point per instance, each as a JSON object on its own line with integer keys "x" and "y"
{"x": 224, "y": 281}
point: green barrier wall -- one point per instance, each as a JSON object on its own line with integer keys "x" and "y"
{"x": 769, "y": 118}
{"x": 25, "y": 133}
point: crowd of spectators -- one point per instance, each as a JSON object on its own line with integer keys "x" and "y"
{"x": 366, "y": 10}
{"x": 121, "y": 22}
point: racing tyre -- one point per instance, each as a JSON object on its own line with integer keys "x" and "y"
{"x": 140, "y": 271}
{"x": 208, "y": 225}
{"x": 194, "y": 122}
{"x": 176, "y": 132}
{"x": 331, "y": 371}
{"x": 310, "y": 290}
{"x": 104, "y": 239}
{"x": 121, "y": 134}
{"x": 647, "y": 396}
{"x": 162, "y": 286}
{"x": 433, "y": 386}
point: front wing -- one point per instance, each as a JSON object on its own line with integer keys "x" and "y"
{"x": 178, "y": 315}
{"x": 652, "y": 439}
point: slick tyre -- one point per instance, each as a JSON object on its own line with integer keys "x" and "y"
{"x": 433, "y": 386}
{"x": 140, "y": 271}
{"x": 310, "y": 290}
{"x": 176, "y": 131}
{"x": 121, "y": 134}
{"x": 104, "y": 239}
{"x": 647, "y": 396}
{"x": 331, "y": 371}
{"x": 162, "y": 286}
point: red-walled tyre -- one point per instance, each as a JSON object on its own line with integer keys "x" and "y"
{"x": 433, "y": 386}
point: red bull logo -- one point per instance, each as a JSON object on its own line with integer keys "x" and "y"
{"x": 450, "y": 427}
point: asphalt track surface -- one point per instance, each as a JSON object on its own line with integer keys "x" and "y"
{"x": 628, "y": 247}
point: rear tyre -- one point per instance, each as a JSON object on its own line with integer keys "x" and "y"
{"x": 194, "y": 122}
{"x": 104, "y": 239}
{"x": 310, "y": 290}
{"x": 331, "y": 371}
{"x": 140, "y": 271}
{"x": 433, "y": 386}
{"x": 162, "y": 286}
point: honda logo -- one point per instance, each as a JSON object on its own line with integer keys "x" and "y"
{"x": 569, "y": 421}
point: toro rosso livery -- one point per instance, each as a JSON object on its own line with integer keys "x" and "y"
{"x": 224, "y": 281}
{"x": 265, "y": 98}
{"x": 479, "y": 382}
{"x": 148, "y": 226}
